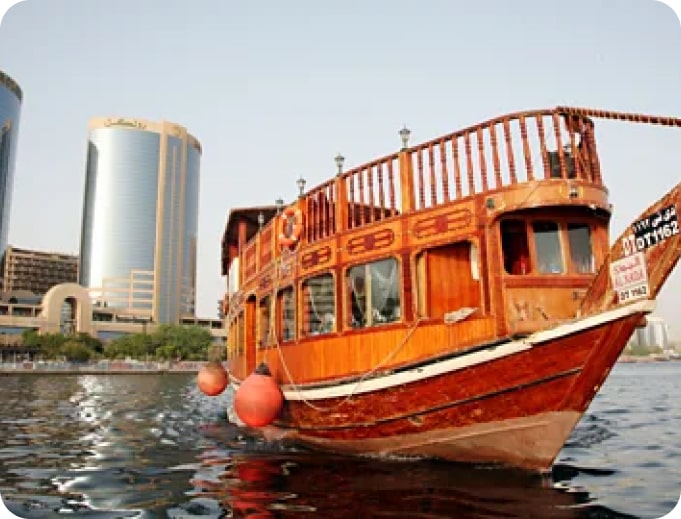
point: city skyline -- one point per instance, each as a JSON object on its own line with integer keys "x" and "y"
{"x": 273, "y": 98}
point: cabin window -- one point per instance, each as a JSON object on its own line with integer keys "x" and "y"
{"x": 240, "y": 334}
{"x": 264, "y": 321}
{"x": 286, "y": 305}
{"x": 547, "y": 245}
{"x": 581, "y": 255}
{"x": 319, "y": 305}
{"x": 515, "y": 247}
{"x": 373, "y": 293}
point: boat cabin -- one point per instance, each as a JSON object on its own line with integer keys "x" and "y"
{"x": 495, "y": 230}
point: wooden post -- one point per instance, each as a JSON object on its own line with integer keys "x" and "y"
{"x": 341, "y": 209}
{"x": 406, "y": 181}
{"x": 242, "y": 244}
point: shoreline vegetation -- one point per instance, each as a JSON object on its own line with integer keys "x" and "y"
{"x": 126, "y": 367}
{"x": 169, "y": 349}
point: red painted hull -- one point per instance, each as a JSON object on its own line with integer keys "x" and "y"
{"x": 516, "y": 408}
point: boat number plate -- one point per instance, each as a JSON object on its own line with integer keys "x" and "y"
{"x": 629, "y": 277}
{"x": 651, "y": 230}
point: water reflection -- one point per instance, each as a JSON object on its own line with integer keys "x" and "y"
{"x": 76, "y": 443}
{"x": 153, "y": 446}
{"x": 309, "y": 485}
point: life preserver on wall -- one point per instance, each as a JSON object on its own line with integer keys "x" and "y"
{"x": 291, "y": 227}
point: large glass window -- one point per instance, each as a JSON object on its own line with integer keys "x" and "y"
{"x": 514, "y": 247}
{"x": 264, "y": 321}
{"x": 319, "y": 305}
{"x": 287, "y": 307}
{"x": 547, "y": 245}
{"x": 581, "y": 255}
{"x": 373, "y": 293}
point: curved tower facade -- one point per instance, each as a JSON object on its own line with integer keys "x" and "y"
{"x": 10, "y": 106}
{"x": 140, "y": 218}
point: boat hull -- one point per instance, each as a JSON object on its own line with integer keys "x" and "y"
{"x": 513, "y": 403}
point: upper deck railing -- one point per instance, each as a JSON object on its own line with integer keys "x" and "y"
{"x": 513, "y": 149}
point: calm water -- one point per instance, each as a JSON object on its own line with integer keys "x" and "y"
{"x": 153, "y": 446}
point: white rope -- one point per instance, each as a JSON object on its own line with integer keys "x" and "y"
{"x": 284, "y": 364}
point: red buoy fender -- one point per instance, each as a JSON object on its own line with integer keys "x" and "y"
{"x": 212, "y": 379}
{"x": 259, "y": 399}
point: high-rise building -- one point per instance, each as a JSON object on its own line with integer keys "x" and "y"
{"x": 37, "y": 271}
{"x": 654, "y": 334}
{"x": 140, "y": 218}
{"x": 10, "y": 106}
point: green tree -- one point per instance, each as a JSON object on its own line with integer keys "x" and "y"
{"x": 76, "y": 351}
{"x": 51, "y": 345}
{"x": 181, "y": 342}
{"x": 30, "y": 339}
{"x": 92, "y": 343}
{"x": 135, "y": 346}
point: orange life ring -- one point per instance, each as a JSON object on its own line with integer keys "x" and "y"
{"x": 291, "y": 227}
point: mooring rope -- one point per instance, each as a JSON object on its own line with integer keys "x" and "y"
{"x": 272, "y": 332}
{"x": 661, "y": 120}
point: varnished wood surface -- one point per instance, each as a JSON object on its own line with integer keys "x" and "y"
{"x": 543, "y": 391}
{"x": 660, "y": 259}
{"x": 334, "y": 356}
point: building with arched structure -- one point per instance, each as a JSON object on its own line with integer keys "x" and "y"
{"x": 10, "y": 107}
{"x": 140, "y": 218}
{"x": 67, "y": 308}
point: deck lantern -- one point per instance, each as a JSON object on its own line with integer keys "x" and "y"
{"x": 261, "y": 220}
{"x": 339, "y": 163}
{"x": 301, "y": 186}
{"x": 404, "y": 135}
{"x": 279, "y": 204}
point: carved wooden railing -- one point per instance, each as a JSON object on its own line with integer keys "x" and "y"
{"x": 513, "y": 149}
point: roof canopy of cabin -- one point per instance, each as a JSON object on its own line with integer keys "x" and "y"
{"x": 248, "y": 217}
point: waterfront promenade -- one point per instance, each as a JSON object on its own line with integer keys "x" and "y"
{"x": 113, "y": 367}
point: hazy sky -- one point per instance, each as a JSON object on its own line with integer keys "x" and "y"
{"x": 274, "y": 90}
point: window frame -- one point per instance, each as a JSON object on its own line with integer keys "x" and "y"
{"x": 348, "y": 293}
{"x": 303, "y": 314}
{"x": 566, "y": 253}
{"x": 280, "y": 310}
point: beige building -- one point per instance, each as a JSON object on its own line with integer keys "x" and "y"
{"x": 36, "y": 271}
{"x": 140, "y": 218}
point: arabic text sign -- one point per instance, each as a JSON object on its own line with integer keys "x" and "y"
{"x": 652, "y": 230}
{"x": 629, "y": 277}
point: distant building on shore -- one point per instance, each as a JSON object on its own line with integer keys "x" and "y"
{"x": 140, "y": 219}
{"x": 36, "y": 271}
{"x": 67, "y": 308}
{"x": 655, "y": 333}
{"x": 10, "y": 107}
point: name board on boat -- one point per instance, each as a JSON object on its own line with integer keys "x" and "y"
{"x": 629, "y": 277}
{"x": 652, "y": 230}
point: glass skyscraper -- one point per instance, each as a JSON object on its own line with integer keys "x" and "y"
{"x": 10, "y": 106}
{"x": 140, "y": 218}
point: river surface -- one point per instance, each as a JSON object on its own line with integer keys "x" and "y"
{"x": 154, "y": 446}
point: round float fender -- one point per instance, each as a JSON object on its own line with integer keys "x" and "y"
{"x": 212, "y": 379}
{"x": 258, "y": 400}
{"x": 291, "y": 227}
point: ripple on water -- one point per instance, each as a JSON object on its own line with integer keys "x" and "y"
{"x": 154, "y": 446}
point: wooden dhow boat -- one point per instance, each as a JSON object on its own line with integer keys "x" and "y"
{"x": 458, "y": 299}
